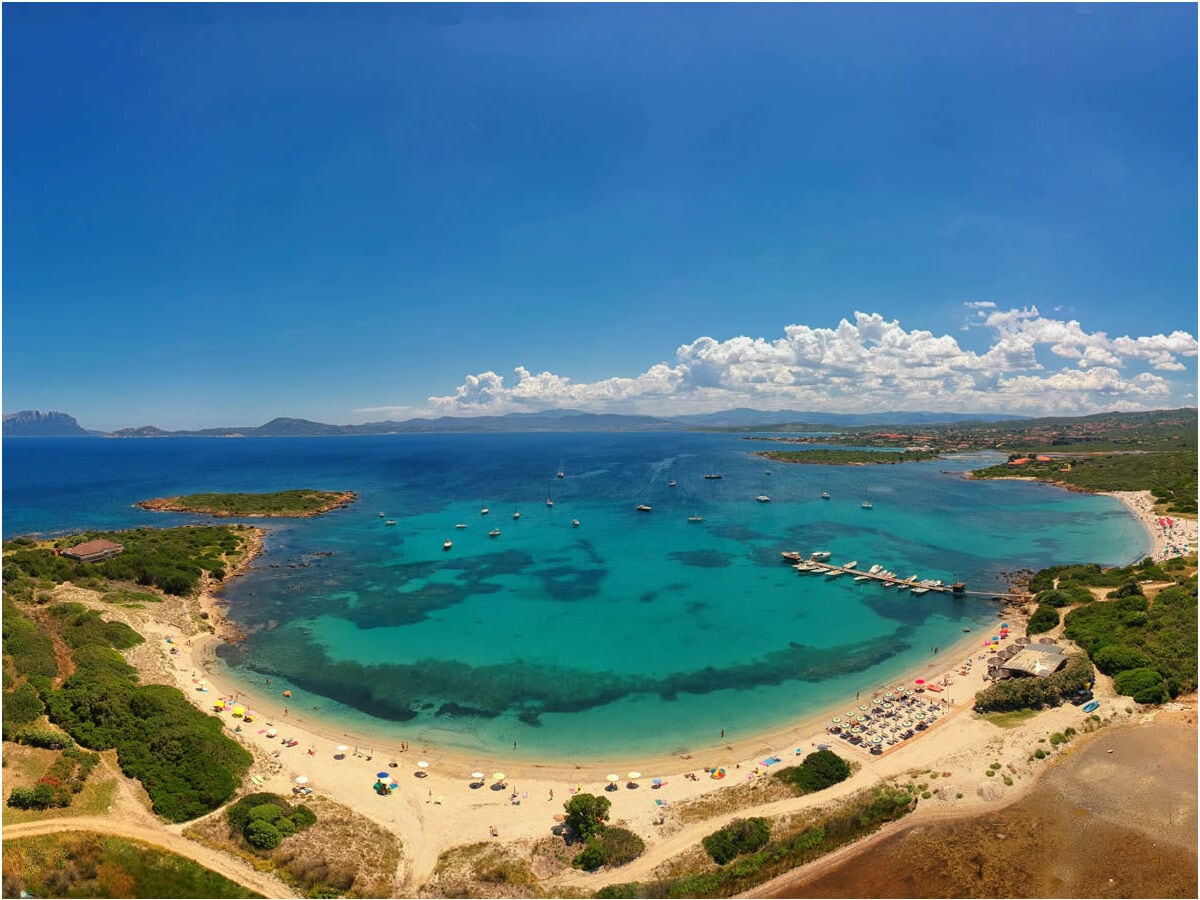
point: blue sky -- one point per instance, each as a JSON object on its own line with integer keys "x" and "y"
{"x": 216, "y": 214}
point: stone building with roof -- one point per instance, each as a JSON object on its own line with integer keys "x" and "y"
{"x": 93, "y": 551}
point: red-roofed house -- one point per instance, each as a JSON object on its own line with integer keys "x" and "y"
{"x": 1020, "y": 462}
{"x": 93, "y": 551}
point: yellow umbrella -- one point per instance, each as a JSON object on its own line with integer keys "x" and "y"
{"x": 497, "y": 776}
{"x": 239, "y": 710}
{"x": 634, "y": 776}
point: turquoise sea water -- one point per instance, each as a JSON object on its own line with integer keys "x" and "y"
{"x": 634, "y": 632}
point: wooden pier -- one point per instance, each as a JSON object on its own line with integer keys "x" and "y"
{"x": 882, "y": 576}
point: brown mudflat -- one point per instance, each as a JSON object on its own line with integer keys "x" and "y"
{"x": 1101, "y": 824}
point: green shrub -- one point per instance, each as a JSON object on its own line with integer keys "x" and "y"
{"x": 818, "y": 771}
{"x": 1116, "y": 658}
{"x": 621, "y": 846}
{"x": 46, "y": 738}
{"x": 1044, "y": 618}
{"x": 591, "y": 857}
{"x": 738, "y": 837}
{"x": 22, "y": 705}
{"x": 1143, "y": 685}
{"x": 263, "y": 835}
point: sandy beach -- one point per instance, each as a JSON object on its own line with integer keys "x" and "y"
{"x": 438, "y": 806}
{"x": 1171, "y": 534}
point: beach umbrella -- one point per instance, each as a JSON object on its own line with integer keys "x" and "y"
{"x": 342, "y": 748}
{"x": 422, "y": 765}
{"x": 301, "y": 779}
{"x": 634, "y": 776}
{"x": 383, "y": 776}
{"x": 612, "y": 779}
{"x": 239, "y": 710}
{"x": 271, "y": 732}
{"x": 919, "y": 681}
{"x": 497, "y": 776}
{"x": 478, "y": 776}
{"x": 837, "y": 720}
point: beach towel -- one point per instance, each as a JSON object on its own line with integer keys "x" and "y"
{"x": 771, "y": 760}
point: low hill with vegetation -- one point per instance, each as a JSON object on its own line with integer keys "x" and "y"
{"x": 277, "y": 504}
{"x": 1169, "y": 475}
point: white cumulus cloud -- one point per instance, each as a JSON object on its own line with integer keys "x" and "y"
{"x": 868, "y": 363}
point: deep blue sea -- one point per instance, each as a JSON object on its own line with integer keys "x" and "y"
{"x": 633, "y": 632}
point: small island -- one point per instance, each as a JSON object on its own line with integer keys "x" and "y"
{"x": 280, "y": 504}
{"x": 848, "y": 457}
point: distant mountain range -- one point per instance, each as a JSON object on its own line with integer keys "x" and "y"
{"x": 31, "y": 423}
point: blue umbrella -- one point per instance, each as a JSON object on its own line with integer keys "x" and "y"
{"x": 382, "y": 776}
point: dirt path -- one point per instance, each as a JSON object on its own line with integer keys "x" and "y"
{"x": 158, "y": 836}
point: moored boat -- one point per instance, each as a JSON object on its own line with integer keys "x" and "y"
{"x": 820, "y": 555}
{"x": 446, "y": 545}
{"x": 695, "y": 518}
{"x": 867, "y": 504}
{"x": 824, "y": 495}
{"x": 644, "y": 508}
{"x": 574, "y": 523}
{"x": 763, "y": 498}
{"x": 713, "y": 476}
{"x": 495, "y": 532}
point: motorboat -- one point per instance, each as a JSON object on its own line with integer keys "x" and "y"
{"x": 850, "y": 565}
{"x": 867, "y": 504}
{"x": 862, "y": 577}
{"x": 695, "y": 518}
{"x": 820, "y": 555}
{"x": 516, "y": 515}
{"x": 495, "y": 532}
{"x": 763, "y": 498}
{"x": 549, "y": 502}
{"x": 824, "y": 495}
{"x": 574, "y": 523}
{"x": 390, "y": 522}
{"x": 671, "y": 483}
{"x": 446, "y": 545}
{"x": 460, "y": 525}
{"x": 644, "y": 508}
{"x": 713, "y": 476}
{"x": 483, "y": 511}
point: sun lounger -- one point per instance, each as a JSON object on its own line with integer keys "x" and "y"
{"x": 256, "y": 779}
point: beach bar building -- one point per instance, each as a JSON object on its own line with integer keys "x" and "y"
{"x": 93, "y": 551}
{"x": 1038, "y": 660}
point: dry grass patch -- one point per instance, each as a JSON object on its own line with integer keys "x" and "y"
{"x": 732, "y": 799}
{"x": 343, "y": 852}
{"x": 482, "y": 870}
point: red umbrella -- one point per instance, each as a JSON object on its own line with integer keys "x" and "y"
{"x": 920, "y": 681}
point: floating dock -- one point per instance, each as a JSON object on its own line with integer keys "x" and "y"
{"x": 880, "y": 575}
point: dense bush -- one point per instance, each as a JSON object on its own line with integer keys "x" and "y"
{"x": 586, "y": 814}
{"x": 1044, "y": 618}
{"x": 1115, "y": 658}
{"x": 1066, "y": 595}
{"x": 83, "y": 627}
{"x": 1163, "y": 632}
{"x": 1143, "y": 685}
{"x": 1128, "y": 589}
{"x": 30, "y": 650}
{"x": 620, "y": 845}
{"x": 265, "y": 820}
{"x": 591, "y": 856}
{"x": 738, "y": 837}
{"x": 818, "y": 771}
{"x": 180, "y": 755}
{"x": 23, "y": 705}
{"x": 46, "y": 738}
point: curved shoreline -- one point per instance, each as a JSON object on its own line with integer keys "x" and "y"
{"x": 463, "y": 814}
